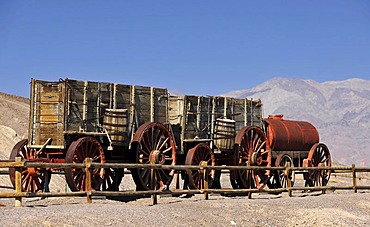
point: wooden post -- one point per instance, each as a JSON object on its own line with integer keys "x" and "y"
{"x": 153, "y": 182}
{"x": 18, "y": 183}
{"x": 288, "y": 179}
{"x": 354, "y": 178}
{"x": 322, "y": 173}
{"x": 205, "y": 180}
{"x": 249, "y": 179}
{"x": 177, "y": 180}
{"x": 88, "y": 180}
{"x": 154, "y": 196}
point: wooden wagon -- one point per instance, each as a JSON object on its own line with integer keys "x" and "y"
{"x": 204, "y": 129}
{"x": 71, "y": 120}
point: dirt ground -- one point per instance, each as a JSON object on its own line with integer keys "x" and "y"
{"x": 331, "y": 209}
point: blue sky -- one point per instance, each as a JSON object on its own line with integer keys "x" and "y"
{"x": 199, "y": 47}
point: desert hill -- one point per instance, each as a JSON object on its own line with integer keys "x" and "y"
{"x": 14, "y": 114}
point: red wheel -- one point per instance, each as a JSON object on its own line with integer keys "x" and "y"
{"x": 33, "y": 179}
{"x": 77, "y": 152}
{"x": 198, "y": 155}
{"x": 251, "y": 146}
{"x": 319, "y": 156}
{"x": 279, "y": 178}
{"x": 154, "y": 144}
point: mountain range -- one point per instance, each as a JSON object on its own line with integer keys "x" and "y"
{"x": 340, "y": 110}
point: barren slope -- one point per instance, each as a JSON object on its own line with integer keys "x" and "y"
{"x": 14, "y": 111}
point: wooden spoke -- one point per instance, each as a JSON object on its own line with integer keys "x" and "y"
{"x": 164, "y": 143}
{"x": 167, "y": 150}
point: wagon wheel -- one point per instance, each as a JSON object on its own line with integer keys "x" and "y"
{"x": 252, "y": 146}
{"x": 319, "y": 156}
{"x": 85, "y": 147}
{"x": 33, "y": 179}
{"x": 153, "y": 143}
{"x": 199, "y": 155}
{"x": 280, "y": 176}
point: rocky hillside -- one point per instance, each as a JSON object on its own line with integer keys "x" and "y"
{"x": 339, "y": 109}
{"x": 14, "y": 113}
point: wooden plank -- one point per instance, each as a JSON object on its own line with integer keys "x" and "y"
{"x": 31, "y": 126}
{"x": 175, "y": 109}
{"x": 123, "y": 96}
{"x": 49, "y": 118}
{"x": 75, "y": 105}
{"x": 190, "y": 130}
{"x": 50, "y": 96}
{"x": 142, "y": 104}
{"x": 204, "y": 120}
{"x": 160, "y": 105}
{"x": 255, "y": 112}
{"x": 219, "y": 107}
{"x": 47, "y": 110}
{"x": 239, "y": 114}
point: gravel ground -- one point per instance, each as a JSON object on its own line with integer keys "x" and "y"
{"x": 331, "y": 209}
{"x": 338, "y": 208}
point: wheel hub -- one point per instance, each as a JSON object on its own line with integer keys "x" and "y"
{"x": 156, "y": 157}
{"x": 32, "y": 171}
{"x": 256, "y": 158}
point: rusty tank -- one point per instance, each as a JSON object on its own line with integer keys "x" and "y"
{"x": 295, "y": 143}
{"x": 288, "y": 135}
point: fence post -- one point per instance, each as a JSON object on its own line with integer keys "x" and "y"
{"x": 153, "y": 182}
{"x": 322, "y": 173}
{"x": 249, "y": 176}
{"x": 177, "y": 180}
{"x": 205, "y": 180}
{"x": 88, "y": 180}
{"x": 354, "y": 178}
{"x": 288, "y": 179}
{"x": 18, "y": 182}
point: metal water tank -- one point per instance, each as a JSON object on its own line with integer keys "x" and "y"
{"x": 287, "y": 135}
